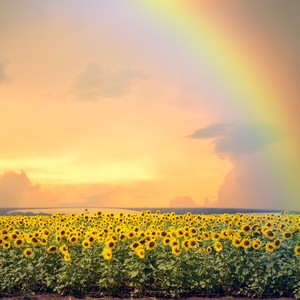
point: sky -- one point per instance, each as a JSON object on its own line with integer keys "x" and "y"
{"x": 145, "y": 103}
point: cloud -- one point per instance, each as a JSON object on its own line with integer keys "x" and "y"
{"x": 238, "y": 139}
{"x": 252, "y": 184}
{"x": 253, "y": 181}
{"x": 3, "y": 76}
{"x": 17, "y": 190}
{"x": 95, "y": 82}
{"x": 13, "y": 186}
{"x": 184, "y": 201}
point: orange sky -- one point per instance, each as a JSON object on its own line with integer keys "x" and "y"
{"x": 97, "y": 108}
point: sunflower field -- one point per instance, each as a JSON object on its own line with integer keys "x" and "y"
{"x": 153, "y": 254}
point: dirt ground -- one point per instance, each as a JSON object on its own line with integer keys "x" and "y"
{"x": 58, "y": 297}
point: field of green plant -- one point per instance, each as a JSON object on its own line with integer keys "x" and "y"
{"x": 162, "y": 255}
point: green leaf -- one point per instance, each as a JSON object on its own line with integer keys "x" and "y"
{"x": 134, "y": 274}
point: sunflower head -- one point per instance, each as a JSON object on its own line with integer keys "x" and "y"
{"x": 277, "y": 243}
{"x": 246, "y": 243}
{"x": 270, "y": 234}
{"x": 236, "y": 242}
{"x": 52, "y": 249}
{"x": 18, "y": 242}
{"x": 151, "y": 245}
{"x": 135, "y": 245}
{"x": 270, "y": 247}
{"x": 218, "y": 246}
{"x": 28, "y": 253}
{"x": 107, "y": 253}
{"x": 176, "y": 250}
{"x": 209, "y": 249}
{"x": 287, "y": 235}
{"x": 67, "y": 257}
{"x": 140, "y": 252}
{"x": 246, "y": 229}
{"x": 86, "y": 244}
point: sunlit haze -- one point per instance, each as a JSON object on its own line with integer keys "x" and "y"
{"x": 178, "y": 103}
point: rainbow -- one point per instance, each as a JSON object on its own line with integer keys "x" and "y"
{"x": 244, "y": 67}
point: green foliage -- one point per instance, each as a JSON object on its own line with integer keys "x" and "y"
{"x": 240, "y": 271}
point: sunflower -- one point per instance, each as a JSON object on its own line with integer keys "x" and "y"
{"x": 140, "y": 252}
{"x": 98, "y": 213}
{"x": 270, "y": 247}
{"x": 131, "y": 234}
{"x": 224, "y": 234}
{"x": 270, "y": 234}
{"x": 28, "y": 252}
{"x": 256, "y": 244}
{"x": 193, "y": 243}
{"x": 58, "y": 238}
{"x": 63, "y": 232}
{"x": 14, "y": 236}
{"x": 209, "y": 249}
{"x": 215, "y": 236}
{"x": 287, "y": 235}
{"x": 277, "y": 243}
{"x": 218, "y": 246}
{"x": 86, "y": 244}
{"x": 174, "y": 243}
{"x": 43, "y": 241}
{"x": 246, "y": 243}
{"x": 107, "y": 253}
{"x": 52, "y": 249}
{"x": 111, "y": 244}
{"x": 246, "y": 229}
{"x": 33, "y": 241}
{"x": 179, "y": 232}
{"x": 163, "y": 234}
{"x": 151, "y": 245}
{"x": 72, "y": 239}
{"x": 166, "y": 241}
{"x": 185, "y": 244}
{"x": 236, "y": 242}
{"x": 205, "y": 235}
{"x": 122, "y": 237}
{"x": 18, "y": 242}
{"x": 46, "y": 232}
{"x": 176, "y": 250}
{"x": 193, "y": 230}
{"x": 297, "y": 250}
{"x": 67, "y": 256}
{"x": 135, "y": 245}
{"x": 63, "y": 248}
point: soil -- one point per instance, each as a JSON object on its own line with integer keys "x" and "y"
{"x": 58, "y": 297}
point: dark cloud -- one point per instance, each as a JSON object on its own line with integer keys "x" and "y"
{"x": 95, "y": 82}
{"x": 3, "y": 76}
{"x": 238, "y": 139}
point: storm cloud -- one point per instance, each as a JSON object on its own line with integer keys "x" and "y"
{"x": 238, "y": 139}
{"x": 252, "y": 182}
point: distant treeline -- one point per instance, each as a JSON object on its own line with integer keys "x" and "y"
{"x": 13, "y": 211}
{"x": 9, "y": 212}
